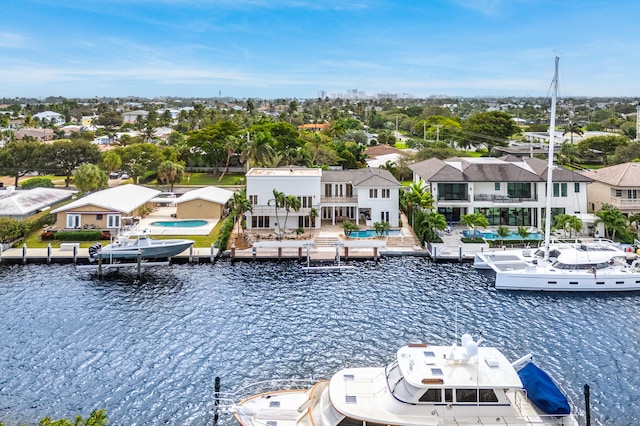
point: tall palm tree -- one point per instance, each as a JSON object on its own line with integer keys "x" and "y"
{"x": 258, "y": 150}
{"x": 573, "y": 128}
{"x": 473, "y": 220}
{"x": 278, "y": 202}
{"x": 291, "y": 202}
{"x": 417, "y": 196}
{"x": 613, "y": 220}
{"x": 239, "y": 205}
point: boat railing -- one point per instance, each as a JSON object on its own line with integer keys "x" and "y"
{"x": 267, "y": 386}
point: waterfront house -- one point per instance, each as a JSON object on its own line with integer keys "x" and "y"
{"x": 105, "y": 209}
{"x": 508, "y": 191}
{"x": 22, "y": 204}
{"x": 203, "y": 203}
{"x": 617, "y": 185}
{"x": 50, "y": 117}
{"x": 362, "y": 196}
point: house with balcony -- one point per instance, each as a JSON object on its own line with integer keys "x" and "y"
{"x": 508, "y": 191}
{"x": 617, "y": 185}
{"x": 363, "y": 196}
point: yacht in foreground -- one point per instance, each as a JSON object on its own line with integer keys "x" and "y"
{"x": 128, "y": 245}
{"x": 425, "y": 385}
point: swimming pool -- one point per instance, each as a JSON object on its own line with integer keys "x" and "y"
{"x": 191, "y": 223}
{"x": 370, "y": 233}
{"x": 492, "y": 236}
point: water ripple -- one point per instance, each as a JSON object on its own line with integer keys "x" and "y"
{"x": 147, "y": 349}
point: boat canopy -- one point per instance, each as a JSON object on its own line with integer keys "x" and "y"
{"x": 542, "y": 390}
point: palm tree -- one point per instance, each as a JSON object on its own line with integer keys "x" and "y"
{"x": 291, "y": 202}
{"x": 416, "y": 196}
{"x": 523, "y": 232}
{"x": 429, "y": 223}
{"x": 278, "y": 201}
{"x": 239, "y": 205}
{"x": 568, "y": 223}
{"x": 381, "y": 228}
{"x": 613, "y": 220}
{"x": 573, "y": 128}
{"x": 313, "y": 214}
{"x": 473, "y": 220}
{"x": 503, "y": 232}
{"x": 258, "y": 150}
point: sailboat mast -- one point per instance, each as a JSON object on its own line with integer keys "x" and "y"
{"x": 552, "y": 131}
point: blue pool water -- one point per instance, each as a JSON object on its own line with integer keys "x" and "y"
{"x": 492, "y": 235}
{"x": 370, "y": 233}
{"x": 180, "y": 223}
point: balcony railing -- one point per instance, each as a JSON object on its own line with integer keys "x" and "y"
{"x": 263, "y": 210}
{"x": 454, "y": 198}
{"x": 502, "y": 198}
{"x": 339, "y": 200}
{"x": 626, "y": 203}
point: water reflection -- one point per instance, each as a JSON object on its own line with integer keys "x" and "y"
{"x": 148, "y": 349}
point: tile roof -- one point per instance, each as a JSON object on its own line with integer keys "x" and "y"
{"x": 367, "y": 176}
{"x": 620, "y": 175}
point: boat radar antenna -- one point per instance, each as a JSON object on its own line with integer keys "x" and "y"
{"x": 552, "y": 128}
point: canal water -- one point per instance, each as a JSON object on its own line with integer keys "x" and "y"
{"x": 148, "y": 349}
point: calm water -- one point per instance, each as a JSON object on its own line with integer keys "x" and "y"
{"x": 148, "y": 350}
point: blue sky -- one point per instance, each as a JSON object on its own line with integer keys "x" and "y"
{"x": 296, "y": 48}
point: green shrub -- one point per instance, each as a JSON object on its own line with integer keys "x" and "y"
{"x": 84, "y": 235}
{"x": 37, "y": 182}
{"x": 225, "y": 233}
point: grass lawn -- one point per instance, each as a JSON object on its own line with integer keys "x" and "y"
{"x": 211, "y": 179}
{"x": 33, "y": 240}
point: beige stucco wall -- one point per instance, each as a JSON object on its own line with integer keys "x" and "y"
{"x": 597, "y": 194}
{"x": 199, "y": 209}
{"x": 90, "y": 214}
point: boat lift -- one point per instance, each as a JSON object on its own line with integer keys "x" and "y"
{"x": 101, "y": 266}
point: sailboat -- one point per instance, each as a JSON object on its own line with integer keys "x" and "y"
{"x": 578, "y": 266}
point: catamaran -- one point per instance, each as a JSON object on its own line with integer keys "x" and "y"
{"x": 581, "y": 266}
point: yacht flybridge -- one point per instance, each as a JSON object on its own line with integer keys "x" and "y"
{"x": 425, "y": 385}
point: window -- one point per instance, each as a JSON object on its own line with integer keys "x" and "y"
{"x": 632, "y": 193}
{"x": 373, "y": 193}
{"x": 98, "y": 217}
{"x": 73, "y": 220}
{"x": 466, "y": 395}
{"x": 497, "y": 186}
{"x": 431, "y": 395}
{"x": 386, "y": 193}
{"x": 618, "y": 193}
{"x": 563, "y": 189}
{"x": 260, "y": 221}
{"x": 113, "y": 221}
{"x": 576, "y": 187}
{"x": 327, "y": 189}
{"x": 556, "y": 189}
{"x": 448, "y": 395}
{"x": 253, "y": 199}
{"x": 488, "y": 395}
{"x": 519, "y": 190}
{"x": 305, "y": 202}
{"x": 384, "y": 216}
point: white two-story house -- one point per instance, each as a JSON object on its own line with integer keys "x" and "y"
{"x": 508, "y": 191}
{"x": 363, "y": 196}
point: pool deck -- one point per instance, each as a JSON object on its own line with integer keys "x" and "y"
{"x": 164, "y": 214}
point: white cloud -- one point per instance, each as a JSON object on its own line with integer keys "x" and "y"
{"x": 11, "y": 40}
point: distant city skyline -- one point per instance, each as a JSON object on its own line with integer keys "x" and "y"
{"x": 300, "y": 48}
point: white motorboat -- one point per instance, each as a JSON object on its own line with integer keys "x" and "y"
{"x": 130, "y": 244}
{"x": 425, "y": 385}
{"x": 579, "y": 267}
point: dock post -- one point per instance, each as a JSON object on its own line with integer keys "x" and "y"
{"x": 587, "y": 405}
{"x": 100, "y": 264}
{"x": 216, "y": 399}
{"x": 233, "y": 250}
{"x": 139, "y": 261}
{"x": 191, "y": 254}
{"x": 346, "y": 252}
{"x": 75, "y": 254}
{"x": 460, "y": 254}
{"x": 375, "y": 254}
{"x": 254, "y": 252}
{"x": 435, "y": 253}
{"x": 48, "y": 253}
{"x": 279, "y": 252}
{"x": 300, "y": 252}
{"x": 24, "y": 253}
{"x": 212, "y": 253}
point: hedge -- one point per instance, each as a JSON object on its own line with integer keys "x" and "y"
{"x": 85, "y": 235}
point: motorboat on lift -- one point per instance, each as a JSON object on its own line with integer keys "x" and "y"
{"x": 131, "y": 243}
{"x": 425, "y": 385}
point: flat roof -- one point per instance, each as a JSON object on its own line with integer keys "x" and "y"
{"x": 285, "y": 171}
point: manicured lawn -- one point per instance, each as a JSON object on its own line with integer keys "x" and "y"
{"x": 33, "y": 240}
{"x": 211, "y": 179}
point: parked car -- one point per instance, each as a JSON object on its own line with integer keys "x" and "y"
{"x": 114, "y": 175}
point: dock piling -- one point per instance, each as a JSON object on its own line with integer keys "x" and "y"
{"x": 212, "y": 253}
{"x": 587, "y": 404}
{"x": 24, "y": 253}
{"x": 75, "y": 254}
{"x": 49, "y": 254}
